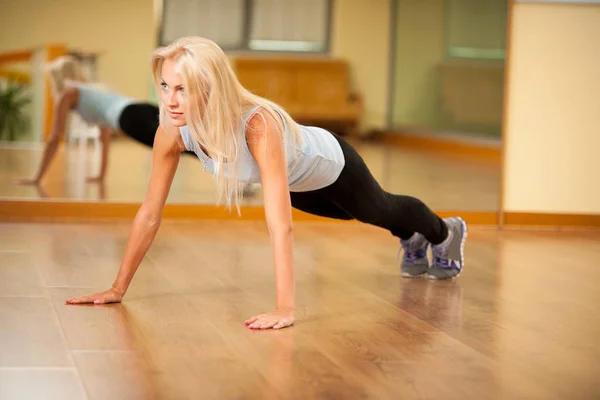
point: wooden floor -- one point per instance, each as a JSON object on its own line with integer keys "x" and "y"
{"x": 522, "y": 322}
{"x": 443, "y": 182}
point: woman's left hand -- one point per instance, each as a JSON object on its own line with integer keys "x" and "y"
{"x": 275, "y": 320}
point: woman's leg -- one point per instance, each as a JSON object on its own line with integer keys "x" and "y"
{"x": 358, "y": 193}
{"x": 314, "y": 202}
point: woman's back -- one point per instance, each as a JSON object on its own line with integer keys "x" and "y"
{"x": 100, "y": 106}
{"x": 316, "y": 162}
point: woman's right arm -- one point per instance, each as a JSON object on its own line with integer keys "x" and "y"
{"x": 165, "y": 159}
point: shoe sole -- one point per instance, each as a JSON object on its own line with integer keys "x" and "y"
{"x": 435, "y": 278}
{"x": 407, "y": 275}
{"x": 465, "y": 233}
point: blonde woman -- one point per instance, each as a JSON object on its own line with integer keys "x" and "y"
{"x": 241, "y": 138}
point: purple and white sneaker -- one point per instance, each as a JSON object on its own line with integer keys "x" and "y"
{"x": 414, "y": 261}
{"x": 448, "y": 256}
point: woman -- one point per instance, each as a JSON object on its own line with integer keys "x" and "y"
{"x": 241, "y": 137}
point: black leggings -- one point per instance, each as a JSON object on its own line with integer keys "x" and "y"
{"x": 357, "y": 195}
{"x": 140, "y": 121}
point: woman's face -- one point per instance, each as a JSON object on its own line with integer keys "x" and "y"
{"x": 173, "y": 93}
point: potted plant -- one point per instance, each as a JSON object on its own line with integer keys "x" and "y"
{"x": 13, "y": 102}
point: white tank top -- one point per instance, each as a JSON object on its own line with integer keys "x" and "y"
{"x": 316, "y": 163}
{"x": 100, "y": 106}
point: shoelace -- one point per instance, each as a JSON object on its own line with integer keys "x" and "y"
{"x": 442, "y": 263}
{"x": 438, "y": 258}
{"x": 411, "y": 256}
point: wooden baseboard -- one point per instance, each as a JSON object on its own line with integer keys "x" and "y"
{"x": 70, "y": 211}
{"x": 477, "y": 218}
{"x": 549, "y": 220}
{"x": 448, "y": 146}
{"x": 66, "y": 211}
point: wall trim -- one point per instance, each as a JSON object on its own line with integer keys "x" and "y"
{"x": 551, "y": 220}
{"x": 73, "y": 211}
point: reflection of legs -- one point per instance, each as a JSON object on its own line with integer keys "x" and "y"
{"x": 140, "y": 122}
{"x": 438, "y": 305}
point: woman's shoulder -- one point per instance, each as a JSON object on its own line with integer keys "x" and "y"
{"x": 260, "y": 122}
{"x": 249, "y": 111}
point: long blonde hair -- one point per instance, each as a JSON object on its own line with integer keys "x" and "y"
{"x": 215, "y": 103}
{"x": 63, "y": 70}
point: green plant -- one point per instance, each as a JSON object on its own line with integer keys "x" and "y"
{"x": 13, "y": 118}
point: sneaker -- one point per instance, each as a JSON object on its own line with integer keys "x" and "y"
{"x": 448, "y": 257}
{"x": 414, "y": 260}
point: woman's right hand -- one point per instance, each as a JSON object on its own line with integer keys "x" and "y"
{"x": 165, "y": 158}
{"x": 111, "y": 295}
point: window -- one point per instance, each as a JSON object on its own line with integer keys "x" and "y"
{"x": 293, "y": 25}
{"x": 476, "y": 29}
{"x": 261, "y": 25}
{"x": 219, "y": 20}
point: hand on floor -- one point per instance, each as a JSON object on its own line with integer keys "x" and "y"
{"x": 275, "y": 320}
{"x": 110, "y": 296}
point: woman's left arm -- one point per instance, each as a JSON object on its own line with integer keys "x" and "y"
{"x": 265, "y": 143}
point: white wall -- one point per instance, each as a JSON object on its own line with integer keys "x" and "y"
{"x": 552, "y": 160}
{"x": 122, "y": 31}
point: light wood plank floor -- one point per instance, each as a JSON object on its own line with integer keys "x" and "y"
{"x": 443, "y": 182}
{"x": 522, "y": 322}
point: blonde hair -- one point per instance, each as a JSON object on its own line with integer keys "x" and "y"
{"x": 215, "y": 103}
{"x": 63, "y": 70}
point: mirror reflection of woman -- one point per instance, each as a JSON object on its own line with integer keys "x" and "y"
{"x": 96, "y": 105}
